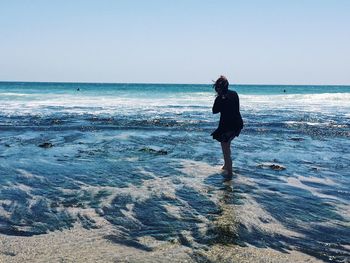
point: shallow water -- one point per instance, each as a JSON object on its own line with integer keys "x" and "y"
{"x": 141, "y": 157}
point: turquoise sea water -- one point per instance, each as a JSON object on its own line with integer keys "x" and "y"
{"x": 146, "y": 149}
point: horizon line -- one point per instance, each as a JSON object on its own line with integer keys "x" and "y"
{"x": 165, "y": 83}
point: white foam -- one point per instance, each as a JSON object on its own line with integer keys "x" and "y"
{"x": 309, "y": 102}
{"x": 108, "y": 104}
{"x": 297, "y": 182}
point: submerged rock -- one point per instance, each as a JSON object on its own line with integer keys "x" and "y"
{"x": 315, "y": 168}
{"x": 155, "y": 151}
{"x": 100, "y": 211}
{"x": 297, "y": 139}
{"x": 46, "y": 145}
{"x": 277, "y": 167}
{"x": 273, "y": 166}
{"x": 55, "y": 121}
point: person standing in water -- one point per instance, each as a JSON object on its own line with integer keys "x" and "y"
{"x": 230, "y": 124}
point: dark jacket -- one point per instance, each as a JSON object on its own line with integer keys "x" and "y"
{"x": 230, "y": 116}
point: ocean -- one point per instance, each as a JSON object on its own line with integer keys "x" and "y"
{"x": 138, "y": 160}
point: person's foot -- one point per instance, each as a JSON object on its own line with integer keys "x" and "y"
{"x": 223, "y": 168}
{"x": 227, "y": 173}
{"x": 227, "y": 176}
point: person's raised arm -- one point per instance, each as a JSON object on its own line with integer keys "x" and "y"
{"x": 217, "y": 105}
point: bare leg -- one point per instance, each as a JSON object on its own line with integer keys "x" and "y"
{"x": 226, "y": 150}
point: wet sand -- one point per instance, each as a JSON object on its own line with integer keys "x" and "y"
{"x": 96, "y": 245}
{"x": 81, "y": 245}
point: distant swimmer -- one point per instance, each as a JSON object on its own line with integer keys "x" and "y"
{"x": 78, "y": 89}
{"x": 284, "y": 91}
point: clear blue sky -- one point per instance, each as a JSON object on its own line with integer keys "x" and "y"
{"x": 176, "y": 41}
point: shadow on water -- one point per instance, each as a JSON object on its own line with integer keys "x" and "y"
{"x": 188, "y": 217}
{"x": 310, "y": 218}
{"x": 150, "y": 217}
{"x": 39, "y": 204}
{"x": 35, "y": 199}
{"x": 320, "y": 230}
